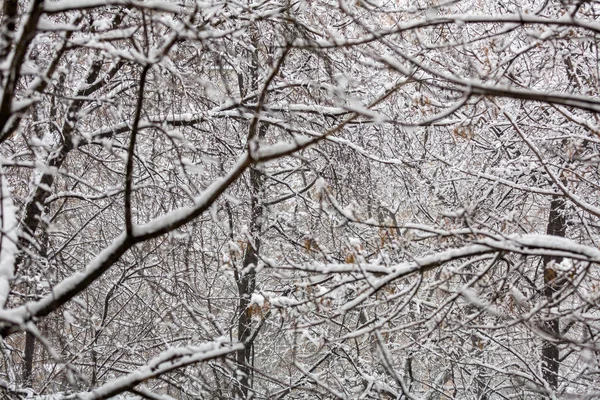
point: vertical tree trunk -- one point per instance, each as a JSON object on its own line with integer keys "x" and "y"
{"x": 247, "y": 284}
{"x": 246, "y": 280}
{"x": 36, "y": 207}
{"x": 31, "y": 219}
{"x": 557, "y": 226}
{"x": 28, "y": 359}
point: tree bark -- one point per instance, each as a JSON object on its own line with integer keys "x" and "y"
{"x": 28, "y": 358}
{"x": 247, "y": 285}
{"x": 33, "y": 212}
{"x": 246, "y": 279}
{"x": 557, "y": 226}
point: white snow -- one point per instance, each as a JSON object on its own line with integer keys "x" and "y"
{"x": 8, "y": 239}
{"x": 169, "y": 360}
{"x": 257, "y": 299}
{"x": 67, "y": 5}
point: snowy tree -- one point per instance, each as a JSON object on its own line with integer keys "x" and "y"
{"x": 299, "y": 199}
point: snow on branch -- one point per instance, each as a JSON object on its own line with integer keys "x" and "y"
{"x": 70, "y": 5}
{"x": 168, "y": 361}
{"x": 8, "y": 239}
{"x": 531, "y": 245}
{"x": 76, "y": 283}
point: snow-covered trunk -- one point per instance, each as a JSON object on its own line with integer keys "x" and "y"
{"x": 8, "y": 244}
{"x": 30, "y": 222}
{"x": 13, "y": 52}
{"x": 8, "y": 236}
{"x": 246, "y": 286}
{"x": 246, "y": 279}
{"x": 36, "y": 204}
{"x": 9, "y": 26}
{"x": 557, "y": 226}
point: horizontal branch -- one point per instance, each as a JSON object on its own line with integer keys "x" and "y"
{"x": 168, "y": 361}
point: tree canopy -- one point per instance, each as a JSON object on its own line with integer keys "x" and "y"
{"x": 277, "y": 199}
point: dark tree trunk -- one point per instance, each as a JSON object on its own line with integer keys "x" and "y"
{"x": 36, "y": 207}
{"x": 28, "y": 359}
{"x": 247, "y": 284}
{"x": 246, "y": 278}
{"x": 557, "y": 226}
{"x": 33, "y": 213}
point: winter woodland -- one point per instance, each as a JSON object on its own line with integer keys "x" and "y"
{"x": 300, "y": 199}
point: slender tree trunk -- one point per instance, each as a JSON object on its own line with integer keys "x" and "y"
{"x": 33, "y": 213}
{"x": 246, "y": 280}
{"x": 36, "y": 207}
{"x": 247, "y": 284}
{"x": 28, "y": 359}
{"x": 557, "y": 226}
